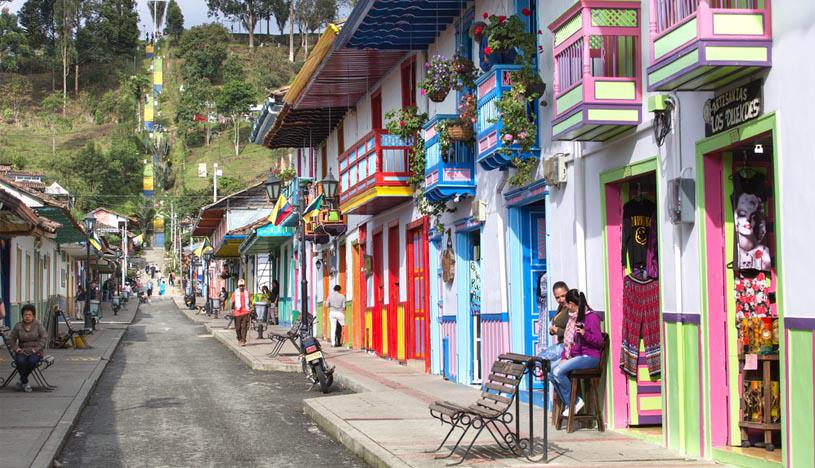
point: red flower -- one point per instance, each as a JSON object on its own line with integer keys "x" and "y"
{"x": 401, "y": 123}
{"x": 739, "y": 287}
{"x": 485, "y": 15}
{"x": 526, "y": 12}
{"x": 487, "y": 50}
{"x": 502, "y": 18}
{"x": 478, "y": 30}
{"x": 761, "y": 277}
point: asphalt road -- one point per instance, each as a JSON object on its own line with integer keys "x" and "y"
{"x": 173, "y": 396}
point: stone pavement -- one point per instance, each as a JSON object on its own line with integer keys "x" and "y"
{"x": 387, "y": 423}
{"x": 34, "y": 426}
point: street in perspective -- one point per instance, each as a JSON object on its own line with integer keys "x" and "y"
{"x": 406, "y": 233}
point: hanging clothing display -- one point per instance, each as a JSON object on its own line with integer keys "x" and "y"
{"x": 651, "y": 256}
{"x": 751, "y": 247}
{"x": 752, "y": 296}
{"x": 637, "y": 215}
{"x": 640, "y": 320}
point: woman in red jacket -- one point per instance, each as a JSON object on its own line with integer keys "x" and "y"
{"x": 582, "y": 345}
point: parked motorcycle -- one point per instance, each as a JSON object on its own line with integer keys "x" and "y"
{"x": 314, "y": 365}
{"x": 116, "y": 304}
{"x": 189, "y": 300}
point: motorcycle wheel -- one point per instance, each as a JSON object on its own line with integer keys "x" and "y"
{"x": 321, "y": 377}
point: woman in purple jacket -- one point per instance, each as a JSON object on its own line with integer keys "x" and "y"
{"x": 582, "y": 344}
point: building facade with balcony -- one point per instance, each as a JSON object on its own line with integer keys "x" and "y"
{"x": 667, "y": 116}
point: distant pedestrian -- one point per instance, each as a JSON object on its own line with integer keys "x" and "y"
{"x": 336, "y": 313}
{"x": 149, "y": 288}
{"x": 241, "y": 307}
{"x": 162, "y": 288}
{"x": 172, "y": 279}
{"x": 274, "y": 296}
{"x": 27, "y": 339}
{"x": 222, "y": 296}
{"x": 265, "y": 295}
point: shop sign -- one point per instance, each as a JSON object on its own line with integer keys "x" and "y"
{"x": 733, "y": 107}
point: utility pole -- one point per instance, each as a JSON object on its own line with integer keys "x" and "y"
{"x": 215, "y": 174}
{"x": 291, "y": 31}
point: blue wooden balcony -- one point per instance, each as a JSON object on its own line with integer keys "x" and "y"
{"x": 491, "y": 86}
{"x": 445, "y": 178}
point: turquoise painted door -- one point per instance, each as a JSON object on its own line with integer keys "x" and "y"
{"x": 536, "y": 283}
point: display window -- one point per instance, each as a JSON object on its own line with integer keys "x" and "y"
{"x": 633, "y": 314}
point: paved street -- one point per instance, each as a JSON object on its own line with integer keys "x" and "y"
{"x": 172, "y": 396}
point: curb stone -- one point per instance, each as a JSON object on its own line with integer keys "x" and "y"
{"x": 355, "y": 441}
{"x": 59, "y": 435}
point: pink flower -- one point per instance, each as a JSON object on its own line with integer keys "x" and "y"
{"x": 485, "y": 15}
{"x": 526, "y": 12}
{"x": 523, "y": 135}
{"x": 422, "y": 92}
{"x": 508, "y": 137}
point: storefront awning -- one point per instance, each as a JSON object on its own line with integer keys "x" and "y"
{"x": 228, "y": 248}
{"x": 266, "y": 239}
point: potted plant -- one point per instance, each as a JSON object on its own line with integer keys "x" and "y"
{"x": 405, "y": 122}
{"x": 464, "y": 73}
{"x": 286, "y": 174}
{"x": 462, "y": 128}
{"x": 438, "y": 78}
{"x": 504, "y": 39}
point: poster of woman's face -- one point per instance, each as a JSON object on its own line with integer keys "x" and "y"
{"x": 751, "y": 233}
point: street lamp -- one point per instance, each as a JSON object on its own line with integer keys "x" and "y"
{"x": 89, "y": 223}
{"x": 329, "y": 185}
{"x": 272, "y": 186}
{"x": 207, "y": 257}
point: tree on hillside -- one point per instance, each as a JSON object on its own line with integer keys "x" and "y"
{"x": 13, "y": 42}
{"x": 174, "y": 21}
{"x": 194, "y": 108}
{"x": 89, "y": 44}
{"x": 258, "y": 69}
{"x": 137, "y": 86}
{"x": 248, "y": 12}
{"x": 203, "y": 49}
{"x": 312, "y": 15}
{"x": 51, "y": 114}
{"x": 119, "y": 26}
{"x": 15, "y": 96}
{"x": 65, "y": 20}
{"x": 280, "y": 10}
{"x": 234, "y": 99}
{"x": 37, "y": 19}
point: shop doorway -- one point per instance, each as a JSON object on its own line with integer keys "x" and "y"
{"x": 474, "y": 263}
{"x": 633, "y": 316}
{"x": 379, "y": 293}
{"x": 743, "y": 318}
{"x": 393, "y": 294}
{"x": 418, "y": 323}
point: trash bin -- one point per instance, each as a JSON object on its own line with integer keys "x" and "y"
{"x": 261, "y": 308}
{"x": 215, "y": 304}
{"x": 116, "y": 299}
{"x": 94, "y": 308}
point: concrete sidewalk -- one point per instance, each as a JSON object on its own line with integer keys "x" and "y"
{"x": 34, "y": 426}
{"x": 387, "y": 423}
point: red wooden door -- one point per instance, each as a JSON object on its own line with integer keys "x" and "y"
{"x": 379, "y": 299}
{"x": 418, "y": 325}
{"x": 393, "y": 291}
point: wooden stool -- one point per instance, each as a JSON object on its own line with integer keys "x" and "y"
{"x": 590, "y": 380}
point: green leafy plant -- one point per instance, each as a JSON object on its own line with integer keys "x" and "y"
{"x": 506, "y": 33}
{"x": 405, "y": 122}
{"x": 524, "y": 171}
{"x": 286, "y": 174}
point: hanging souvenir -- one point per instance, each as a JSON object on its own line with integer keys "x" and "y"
{"x": 751, "y": 250}
{"x": 448, "y": 262}
{"x": 752, "y": 296}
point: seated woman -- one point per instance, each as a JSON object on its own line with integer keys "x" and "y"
{"x": 582, "y": 345}
{"x": 27, "y": 339}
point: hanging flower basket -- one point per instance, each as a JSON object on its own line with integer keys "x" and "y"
{"x": 460, "y": 132}
{"x": 438, "y": 95}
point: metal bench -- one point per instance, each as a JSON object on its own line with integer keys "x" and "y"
{"x": 46, "y": 362}
{"x": 492, "y": 411}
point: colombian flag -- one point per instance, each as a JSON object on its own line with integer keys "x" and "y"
{"x": 282, "y": 209}
{"x": 94, "y": 240}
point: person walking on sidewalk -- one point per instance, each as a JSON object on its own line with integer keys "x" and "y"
{"x": 582, "y": 345}
{"x": 336, "y": 313}
{"x": 27, "y": 339}
{"x": 274, "y": 296}
{"x": 241, "y": 307}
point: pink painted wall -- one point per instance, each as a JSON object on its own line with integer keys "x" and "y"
{"x": 494, "y": 342}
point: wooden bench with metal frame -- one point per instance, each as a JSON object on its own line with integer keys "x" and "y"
{"x": 292, "y": 335}
{"x": 492, "y": 411}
